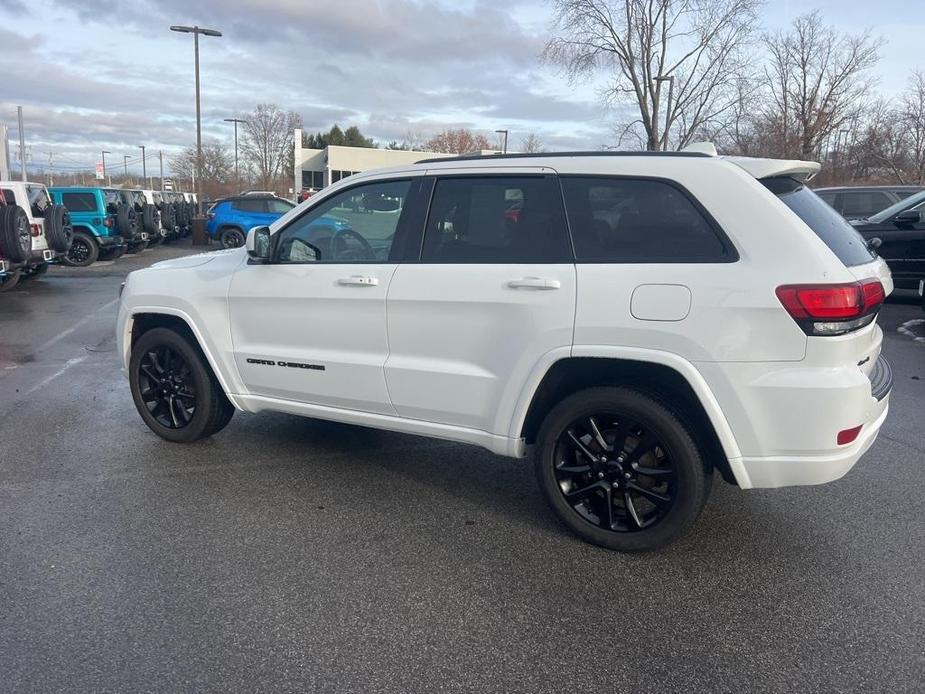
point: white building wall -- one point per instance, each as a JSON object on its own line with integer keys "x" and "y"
{"x": 353, "y": 159}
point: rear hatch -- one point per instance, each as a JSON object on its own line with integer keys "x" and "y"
{"x": 839, "y": 318}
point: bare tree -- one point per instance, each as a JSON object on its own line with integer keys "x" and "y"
{"x": 532, "y": 144}
{"x": 701, "y": 44}
{"x": 818, "y": 83}
{"x": 267, "y": 143}
{"x": 912, "y": 119}
{"x": 217, "y": 163}
{"x": 457, "y": 141}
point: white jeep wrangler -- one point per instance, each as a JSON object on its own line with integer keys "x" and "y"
{"x": 638, "y": 321}
{"x": 33, "y": 231}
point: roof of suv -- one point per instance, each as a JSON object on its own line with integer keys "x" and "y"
{"x": 757, "y": 167}
{"x": 913, "y": 189}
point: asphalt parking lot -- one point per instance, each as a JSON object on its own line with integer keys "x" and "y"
{"x": 295, "y": 555}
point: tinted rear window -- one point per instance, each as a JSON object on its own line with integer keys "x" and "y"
{"x": 842, "y": 238}
{"x": 79, "y": 202}
{"x": 626, "y": 220}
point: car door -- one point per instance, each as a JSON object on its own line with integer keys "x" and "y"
{"x": 903, "y": 248}
{"x": 310, "y": 326}
{"x": 489, "y": 295}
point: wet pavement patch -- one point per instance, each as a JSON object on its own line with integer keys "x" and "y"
{"x": 914, "y": 329}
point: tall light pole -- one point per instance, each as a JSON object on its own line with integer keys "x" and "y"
{"x": 195, "y": 31}
{"x": 237, "y": 178}
{"x": 125, "y": 159}
{"x": 105, "y": 152}
{"x": 670, "y": 80}
{"x": 22, "y": 144}
{"x": 144, "y": 166}
{"x": 504, "y": 146}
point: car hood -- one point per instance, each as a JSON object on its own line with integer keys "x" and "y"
{"x": 199, "y": 259}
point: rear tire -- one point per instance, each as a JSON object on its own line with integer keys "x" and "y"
{"x": 10, "y": 280}
{"x": 620, "y": 470}
{"x": 174, "y": 389}
{"x": 84, "y": 250}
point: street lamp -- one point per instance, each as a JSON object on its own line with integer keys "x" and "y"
{"x": 504, "y": 146}
{"x": 195, "y": 31}
{"x": 237, "y": 178}
{"x": 670, "y": 80}
{"x": 105, "y": 152}
{"x": 144, "y": 166}
{"x": 125, "y": 159}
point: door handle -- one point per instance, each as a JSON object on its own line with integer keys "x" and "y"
{"x": 534, "y": 283}
{"x": 358, "y": 281}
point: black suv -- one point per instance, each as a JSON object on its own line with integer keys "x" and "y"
{"x": 898, "y": 234}
{"x": 860, "y": 202}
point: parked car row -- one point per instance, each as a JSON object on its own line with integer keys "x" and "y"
{"x": 79, "y": 225}
{"x": 109, "y": 222}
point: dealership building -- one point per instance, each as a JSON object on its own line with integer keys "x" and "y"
{"x": 317, "y": 168}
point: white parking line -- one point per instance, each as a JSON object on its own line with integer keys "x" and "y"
{"x": 45, "y": 381}
{"x": 83, "y": 321}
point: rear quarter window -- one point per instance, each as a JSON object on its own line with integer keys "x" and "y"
{"x": 841, "y": 238}
{"x": 624, "y": 220}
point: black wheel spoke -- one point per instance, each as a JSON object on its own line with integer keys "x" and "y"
{"x": 579, "y": 494}
{"x": 149, "y": 372}
{"x": 573, "y": 469}
{"x": 631, "y": 509}
{"x": 598, "y": 436}
{"x": 647, "y": 443}
{"x": 653, "y": 471}
{"x": 654, "y": 497}
{"x": 581, "y": 447}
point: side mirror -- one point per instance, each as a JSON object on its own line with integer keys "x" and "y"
{"x": 258, "y": 244}
{"x": 907, "y": 218}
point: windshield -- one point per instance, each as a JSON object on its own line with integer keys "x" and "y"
{"x": 841, "y": 238}
{"x": 909, "y": 203}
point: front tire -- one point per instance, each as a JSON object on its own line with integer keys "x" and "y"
{"x": 232, "y": 238}
{"x": 174, "y": 389}
{"x": 620, "y": 470}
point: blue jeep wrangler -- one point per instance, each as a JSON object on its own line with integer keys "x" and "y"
{"x": 95, "y": 221}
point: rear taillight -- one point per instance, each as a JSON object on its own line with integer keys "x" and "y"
{"x": 832, "y": 309}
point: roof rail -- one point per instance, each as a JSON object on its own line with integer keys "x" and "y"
{"x": 543, "y": 155}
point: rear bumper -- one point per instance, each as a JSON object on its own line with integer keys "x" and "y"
{"x": 789, "y": 471}
{"x": 110, "y": 241}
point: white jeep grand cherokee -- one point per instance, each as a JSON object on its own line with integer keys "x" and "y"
{"x": 639, "y": 320}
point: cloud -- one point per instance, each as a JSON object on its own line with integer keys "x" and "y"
{"x": 118, "y": 77}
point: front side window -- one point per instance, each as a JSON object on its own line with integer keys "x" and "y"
{"x": 39, "y": 200}
{"x": 357, "y": 225}
{"x": 496, "y": 220}
{"x": 625, "y": 220}
{"x": 863, "y": 203}
{"x": 79, "y": 202}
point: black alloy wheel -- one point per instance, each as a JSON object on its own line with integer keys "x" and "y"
{"x": 83, "y": 251}
{"x": 621, "y": 469}
{"x": 167, "y": 387}
{"x": 615, "y": 472}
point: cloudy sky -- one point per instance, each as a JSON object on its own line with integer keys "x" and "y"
{"x": 107, "y": 74}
